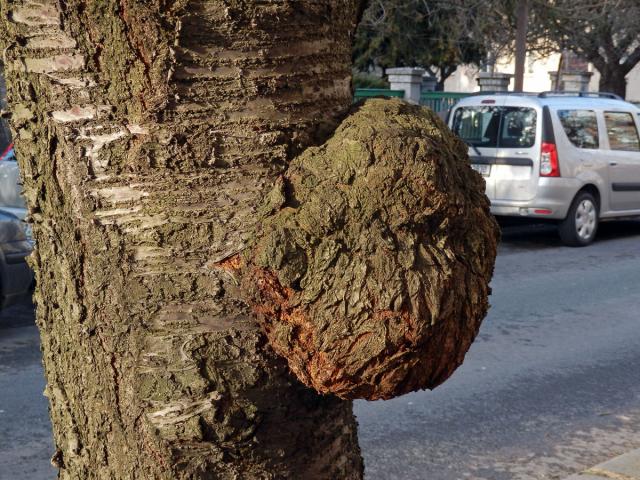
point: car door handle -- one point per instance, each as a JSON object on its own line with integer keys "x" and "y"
{"x": 613, "y": 164}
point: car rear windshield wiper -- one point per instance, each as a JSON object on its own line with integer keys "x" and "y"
{"x": 475, "y": 149}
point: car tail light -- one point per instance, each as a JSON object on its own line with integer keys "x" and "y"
{"x": 6, "y": 152}
{"x": 549, "y": 166}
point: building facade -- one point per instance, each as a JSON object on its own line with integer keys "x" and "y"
{"x": 538, "y": 76}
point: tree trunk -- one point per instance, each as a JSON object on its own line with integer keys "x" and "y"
{"x": 147, "y": 134}
{"x": 613, "y": 80}
{"x": 522, "y": 24}
{"x": 445, "y": 72}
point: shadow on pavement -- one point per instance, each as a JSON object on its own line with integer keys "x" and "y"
{"x": 543, "y": 236}
{"x": 21, "y": 314}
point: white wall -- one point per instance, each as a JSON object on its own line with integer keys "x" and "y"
{"x": 536, "y": 77}
{"x": 463, "y": 80}
{"x": 633, "y": 84}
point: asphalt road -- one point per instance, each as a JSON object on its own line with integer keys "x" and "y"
{"x": 25, "y": 433}
{"x": 551, "y": 386}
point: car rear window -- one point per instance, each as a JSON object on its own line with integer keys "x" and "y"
{"x": 621, "y": 131}
{"x": 496, "y": 127}
{"x": 581, "y": 127}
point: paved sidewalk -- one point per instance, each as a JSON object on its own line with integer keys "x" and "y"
{"x": 624, "y": 467}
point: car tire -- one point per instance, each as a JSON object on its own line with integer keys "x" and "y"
{"x": 580, "y": 226}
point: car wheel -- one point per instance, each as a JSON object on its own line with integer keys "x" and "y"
{"x": 581, "y": 225}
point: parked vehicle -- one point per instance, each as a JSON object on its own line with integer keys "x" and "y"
{"x": 569, "y": 158}
{"x": 11, "y": 198}
{"x": 16, "y": 242}
{"x": 16, "y": 277}
{"x": 8, "y": 153}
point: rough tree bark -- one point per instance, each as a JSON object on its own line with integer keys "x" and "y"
{"x": 148, "y": 132}
{"x": 370, "y": 270}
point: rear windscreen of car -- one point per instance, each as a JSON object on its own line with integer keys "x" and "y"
{"x": 496, "y": 127}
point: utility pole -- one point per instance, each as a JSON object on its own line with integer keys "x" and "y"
{"x": 521, "y": 43}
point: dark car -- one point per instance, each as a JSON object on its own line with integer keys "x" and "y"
{"x": 16, "y": 277}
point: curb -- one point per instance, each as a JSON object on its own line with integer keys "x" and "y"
{"x": 624, "y": 467}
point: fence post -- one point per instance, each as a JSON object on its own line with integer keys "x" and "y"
{"x": 429, "y": 83}
{"x": 494, "y": 82}
{"x": 571, "y": 81}
{"x": 408, "y": 79}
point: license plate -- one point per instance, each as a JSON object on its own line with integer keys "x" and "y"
{"x": 482, "y": 169}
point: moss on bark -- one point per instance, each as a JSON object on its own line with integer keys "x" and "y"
{"x": 371, "y": 269}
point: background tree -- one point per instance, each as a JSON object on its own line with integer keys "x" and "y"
{"x": 604, "y": 32}
{"x": 434, "y": 35}
{"x": 441, "y": 35}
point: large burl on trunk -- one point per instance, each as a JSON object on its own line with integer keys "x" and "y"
{"x": 371, "y": 270}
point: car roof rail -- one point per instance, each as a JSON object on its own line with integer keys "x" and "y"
{"x": 528, "y": 94}
{"x": 556, "y": 93}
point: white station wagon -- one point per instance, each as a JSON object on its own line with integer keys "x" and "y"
{"x": 570, "y": 158}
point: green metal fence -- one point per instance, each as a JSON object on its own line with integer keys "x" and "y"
{"x": 361, "y": 93}
{"x": 436, "y": 101}
{"x": 441, "y": 101}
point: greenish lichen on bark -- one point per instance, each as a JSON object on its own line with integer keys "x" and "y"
{"x": 370, "y": 273}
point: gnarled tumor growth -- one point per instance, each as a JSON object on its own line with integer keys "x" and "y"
{"x": 371, "y": 271}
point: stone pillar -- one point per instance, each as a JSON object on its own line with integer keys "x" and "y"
{"x": 408, "y": 79}
{"x": 429, "y": 83}
{"x": 494, "y": 82}
{"x": 571, "y": 81}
